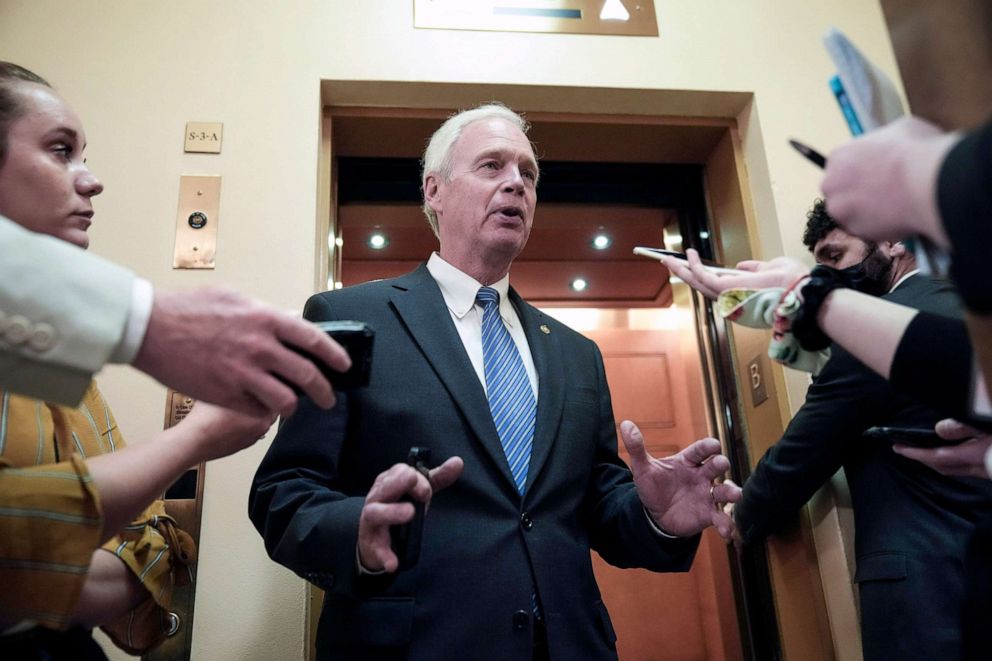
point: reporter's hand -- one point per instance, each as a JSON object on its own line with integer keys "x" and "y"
{"x": 882, "y": 186}
{"x": 778, "y": 272}
{"x": 966, "y": 459}
{"x": 218, "y": 432}
{"x": 382, "y": 509}
{"x": 218, "y": 346}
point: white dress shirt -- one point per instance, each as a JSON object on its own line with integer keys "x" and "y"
{"x": 459, "y": 290}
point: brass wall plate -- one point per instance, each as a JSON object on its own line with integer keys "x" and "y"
{"x": 177, "y": 407}
{"x": 561, "y": 16}
{"x": 183, "y": 502}
{"x": 196, "y": 222}
{"x": 204, "y": 137}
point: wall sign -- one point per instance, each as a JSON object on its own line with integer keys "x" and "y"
{"x": 616, "y": 17}
{"x": 204, "y": 137}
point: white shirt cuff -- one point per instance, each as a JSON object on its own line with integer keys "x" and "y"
{"x": 142, "y": 298}
{"x": 656, "y": 529}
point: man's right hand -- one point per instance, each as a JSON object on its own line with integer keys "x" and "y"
{"x": 382, "y": 509}
{"x": 226, "y": 349}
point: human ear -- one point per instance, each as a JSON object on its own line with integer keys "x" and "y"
{"x": 432, "y": 193}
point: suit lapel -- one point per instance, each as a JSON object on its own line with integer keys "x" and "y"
{"x": 546, "y": 352}
{"x": 419, "y": 304}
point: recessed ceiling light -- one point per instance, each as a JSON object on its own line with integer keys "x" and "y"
{"x": 601, "y": 242}
{"x": 579, "y": 284}
{"x": 378, "y": 241}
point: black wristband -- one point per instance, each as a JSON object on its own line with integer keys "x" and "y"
{"x": 805, "y": 328}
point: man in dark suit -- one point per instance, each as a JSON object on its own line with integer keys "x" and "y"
{"x": 529, "y": 486}
{"x": 911, "y": 524}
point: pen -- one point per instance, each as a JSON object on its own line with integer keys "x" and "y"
{"x": 816, "y": 157}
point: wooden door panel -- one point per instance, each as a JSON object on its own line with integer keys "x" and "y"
{"x": 654, "y": 376}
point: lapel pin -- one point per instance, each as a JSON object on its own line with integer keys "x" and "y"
{"x": 545, "y": 329}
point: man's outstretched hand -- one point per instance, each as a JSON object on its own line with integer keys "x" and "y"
{"x": 679, "y": 492}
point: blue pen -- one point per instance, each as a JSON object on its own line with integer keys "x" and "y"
{"x": 853, "y": 123}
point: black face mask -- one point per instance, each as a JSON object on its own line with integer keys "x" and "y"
{"x": 870, "y": 275}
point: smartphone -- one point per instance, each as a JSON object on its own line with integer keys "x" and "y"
{"x": 917, "y": 437}
{"x": 658, "y": 253}
{"x": 357, "y": 338}
{"x": 406, "y": 538}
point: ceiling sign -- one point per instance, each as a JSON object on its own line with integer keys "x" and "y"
{"x": 617, "y": 17}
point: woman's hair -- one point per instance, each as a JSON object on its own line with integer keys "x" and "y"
{"x": 10, "y": 108}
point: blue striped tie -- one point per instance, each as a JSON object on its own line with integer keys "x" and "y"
{"x": 511, "y": 398}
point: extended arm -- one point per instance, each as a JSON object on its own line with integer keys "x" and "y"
{"x": 895, "y": 341}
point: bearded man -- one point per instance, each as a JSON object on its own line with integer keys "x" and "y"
{"x": 911, "y": 523}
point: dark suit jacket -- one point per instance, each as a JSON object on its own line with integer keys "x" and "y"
{"x": 484, "y": 548}
{"x": 911, "y": 524}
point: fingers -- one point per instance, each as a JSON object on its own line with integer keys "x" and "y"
{"x": 385, "y": 515}
{"x": 633, "y": 441}
{"x": 309, "y": 338}
{"x": 271, "y": 393}
{"x": 724, "y": 525}
{"x": 952, "y": 430}
{"x": 375, "y": 551}
{"x": 697, "y": 453}
{"x": 398, "y": 481}
{"x": 935, "y": 458}
{"x": 708, "y": 283}
{"x": 294, "y": 369}
{"x": 304, "y": 371}
{"x": 690, "y": 277}
{"x": 751, "y": 265}
{"x": 964, "y": 459}
{"x": 445, "y": 475}
{"x": 727, "y": 492}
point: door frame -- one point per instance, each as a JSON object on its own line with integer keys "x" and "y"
{"x": 805, "y": 628}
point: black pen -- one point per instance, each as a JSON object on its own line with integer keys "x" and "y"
{"x": 816, "y": 157}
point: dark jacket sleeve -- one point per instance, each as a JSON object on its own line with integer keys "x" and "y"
{"x": 619, "y": 528}
{"x": 845, "y": 399}
{"x": 933, "y": 365}
{"x": 307, "y": 516}
{"x": 964, "y": 196}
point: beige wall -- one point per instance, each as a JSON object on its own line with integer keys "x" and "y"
{"x": 137, "y": 70}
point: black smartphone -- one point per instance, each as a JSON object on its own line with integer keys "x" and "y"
{"x": 357, "y": 338}
{"x": 815, "y": 157}
{"x": 918, "y": 437}
{"x": 406, "y": 538}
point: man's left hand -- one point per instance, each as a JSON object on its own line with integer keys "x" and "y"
{"x": 679, "y": 492}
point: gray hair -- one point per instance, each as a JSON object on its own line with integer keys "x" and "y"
{"x": 437, "y": 156}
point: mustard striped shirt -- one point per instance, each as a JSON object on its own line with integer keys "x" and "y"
{"x": 51, "y": 520}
